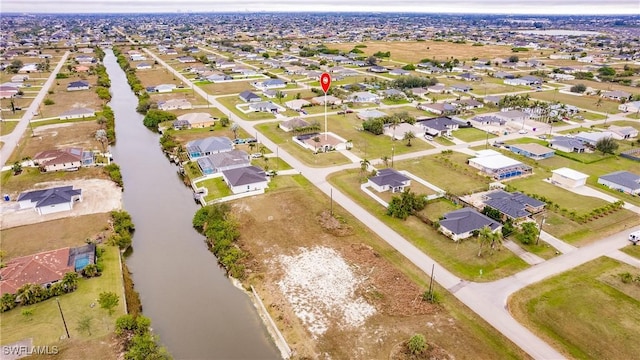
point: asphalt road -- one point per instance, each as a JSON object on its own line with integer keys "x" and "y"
{"x": 11, "y": 140}
{"x": 488, "y": 300}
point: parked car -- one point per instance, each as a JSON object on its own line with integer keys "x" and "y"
{"x": 250, "y": 140}
{"x": 238, "y": 141}
{"x": 256, "y": 155}
{"x": 634, "y": 237}
{"x": 522, "y": 131}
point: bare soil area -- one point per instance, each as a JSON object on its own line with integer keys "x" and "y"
{"x": 98, "y": 196}
{"x": 333, "y": 290}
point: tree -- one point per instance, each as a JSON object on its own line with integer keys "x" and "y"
{"x": 16, "y": 168}
{"x": 234, "y": 129}
{"x": 84, "y": 324}
{"x": 578, "y": 88}
{"x": 108, "y": 301}
{"x": 155, "y": 117}
{"x": 7, "y": 302}
{"x": 372, "y": 60}
{"x": 224, "y": 121}
{"x": 252, "y": 146}
{"x": 607, "y": 145}
{"x": 408, "y": 136}
{"x": 408, "y": 203}
{"x": 91, "y": 270}
{"x": 485, "y": 237}
{"x": 529, "y": 233}
{"x": 70, "y": 281}
{"x": 364, "y": 166}
{"x": 606, "y": 71}
{"x": 101, "y": 136}
{"x": 280, "y": 95}
{"x": 417, "y": 344}
{"x": 514, "y": 58}
{"x": 385, "y": 159}
{"x": 15, "y": 66}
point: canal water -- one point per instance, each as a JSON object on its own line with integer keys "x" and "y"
{"x": 193, "y": 307}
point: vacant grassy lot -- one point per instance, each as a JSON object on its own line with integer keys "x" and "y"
{"x": 605, "y": 86}
{"x": 188, "y": 95}
{"x": 227, "y": 88}
{"x": 283, "y": 140}
{"x": 414, "y": 51}
{"x": 20, "y": 241}
{"x": 393, "y": 284}
{"x": 460, "y": 258}
{"x": 632, "y": 250}
{"x": 45, "y": 325}
{"x": 444, "y": 177}
{"x": 6, "y": 127}
{"x": 13, "y": 184}
{"x": 67, "y": 100}
{"x": 156, "y": 76}
{"x": 583, "y": 102}
{"x": 472, "y": 134}
{"x": 581, "y": 234}
{"x": 587, "y": 313}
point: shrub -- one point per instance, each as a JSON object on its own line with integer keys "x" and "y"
{"x": 48, "y": 101}
{"x": 417, "y": 344}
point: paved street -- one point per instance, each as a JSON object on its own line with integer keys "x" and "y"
{"x": 11, "y": 140}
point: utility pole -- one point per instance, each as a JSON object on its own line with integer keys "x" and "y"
{"x": 331, "y": 201}
{"x": 431, "y": 282}
{"x": 540, "y": 230}
{"x": 62, "y": 316}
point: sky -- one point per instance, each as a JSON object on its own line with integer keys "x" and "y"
{"x": 545, "y": 7}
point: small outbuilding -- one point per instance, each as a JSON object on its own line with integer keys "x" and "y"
{"x": 568, "y": 178}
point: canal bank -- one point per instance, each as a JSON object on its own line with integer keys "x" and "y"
{"x": 195, "y": 309}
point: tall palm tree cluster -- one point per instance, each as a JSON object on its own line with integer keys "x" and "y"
{"x": 30, "y": 294}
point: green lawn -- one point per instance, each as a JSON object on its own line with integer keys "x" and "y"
{"x": 587, "y": 312}
{"x": 583, "y": 102}
{"x": 633, "y": 250}
{"x": 472, "y": 134}
{"x": 284, "y": 141}
{"x": 216, "y": 188}
{"x": 45, "y": 325}
{"x": 461, "y": 258}
{"x": 230, "y": 103}
{"x": 443, "y": 141}
{"x": 454, "y": 180}
{"x": 6, "y": 127}
{"x": 36, "y": 124}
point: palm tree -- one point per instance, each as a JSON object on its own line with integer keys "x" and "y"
{"x": 364, "y": 166}
{"x": 266, "y": 163}
{"x": 234, "y": 128}
{"x": 485, "y": 236}
{"x": 395, "y": 121}
{"x": 385, "y": 160}
{"x": 316, "y": 141}
{"x": 279, "y": 95}
{"x": 70, "y": 281}
{"x": 252, "y": 146}
{"x": 408, "y": 136}
{"x": 496, "y": 240}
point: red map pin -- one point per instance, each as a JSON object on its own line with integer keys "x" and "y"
{"x": 325, "y": 82}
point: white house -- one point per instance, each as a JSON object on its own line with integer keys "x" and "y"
{"x": 174, "y": 104}
{"x": 364, "y": 97}
{"x": 51, "y": 200}
{"x": 389, "y": 179}
{"x": 77, "y": 113}
{"x": 297, "y": 104}
{"x": 568, "y": 177}
{"x": 632, "y": 107}
{"x": 244, "y": 179}
{"x": 165, "y": 88}
{"x": 498, "y": 166}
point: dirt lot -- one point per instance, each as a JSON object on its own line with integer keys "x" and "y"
{"x": 67, "y": 100}
{"x": 333, "y": 290}
{"x": 98, "y": 196}
{"x": 55, "y": 136}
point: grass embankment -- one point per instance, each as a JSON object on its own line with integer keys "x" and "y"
{"x": 587, "y": 312}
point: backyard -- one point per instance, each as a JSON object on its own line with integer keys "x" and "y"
{"x": 587, "y": 312}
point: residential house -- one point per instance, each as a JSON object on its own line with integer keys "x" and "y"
{"x": 567, "y": 144}
{"x": 62, "y": 159}
{"x": 270, "y": 84}
{"x": 248, "y": 96}
{"x": 186, "y": 59}
{"x": 165, "y": 88}
{"x": 623, "y": 132}
{"x": 437, "y": 88}
{"x": 364, "y": 97}
{"x": 439, "y": 126}
{"x": 174, "y": 104}
{"x": 293, "y": 124}
{"x": 532, "y": 151}
{"x": 370, "y": 114}
{"x": 468, "y": 104}
{"x": 514, "y": 206}
{"x": 498, "y": 166}
{"x": 244, "y": 179}
{"x": 331, "y": 100}
{"x": 264, "y": 106}
{"x": 207, "y": 146}
{"x": 389, "y": 179}
{"x": 568, "y": 177}
{"x": 513, "y": 115}
{"x": 616, "y": 95}
{"x": 632, "y": 107}
{"x": 503, "y": 75}
{"x": 492, "y": 99}
{"x": 44, "y": 268}
{"x": 460, "y": 88}
{"x": 469, "y": 77}
{"x": 194, "y": 121}
{"x": 28, "y": 68}
{"x": 397, "y": 132}
{"x": 399, "y": 72}
{"x": 592, "y": 138}
{"x": 77, "y": 113}
{"x": 489, "y": 120}
{"x": 393, "y": 93}
{"x": 78, "y": 85}
{"x": 49, "y": 201}
{"x": 19, "y": 78}
{"x": 623, "y": 181}
{"x": 219, "y": 162}
{"x": 143, "y": 66}
{"x": 419, "y": 91}
{"x": 462, "y": 223}
{"x": 137, "y": 57}
{"x": 438, "y": 108}
{"x": 378, "y": 69}
{"x": 297, "y": 104}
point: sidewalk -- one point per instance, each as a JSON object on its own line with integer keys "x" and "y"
{"x": 529, "y": 258}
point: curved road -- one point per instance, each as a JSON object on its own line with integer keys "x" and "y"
{"x": 488, "y": 300}
{"x": 11, "y": 140}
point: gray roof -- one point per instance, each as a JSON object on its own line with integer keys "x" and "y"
{"x": 210, "y": 144}
{"x": 48, "y": 197}
{"x": 388, "y": 177}
{"x": 623, "y": 178}
{"x": 512, "y": 204}
{"x": 567, "y": 142}
{"x": 248, "y": 95}
{"x": 467, "y": 219}
{"x": 295, "y": 123}
{"x": 225, "y": 159}
{"x": 440, "y": 123}
{"x": 245, "y": 175}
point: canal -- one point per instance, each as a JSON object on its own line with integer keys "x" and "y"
{"x": 193, "y": 307}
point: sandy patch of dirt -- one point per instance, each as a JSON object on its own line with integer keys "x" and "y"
{"x": 98, "y": 196}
